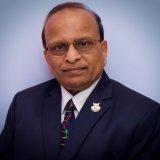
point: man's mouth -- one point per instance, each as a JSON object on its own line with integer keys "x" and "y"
{"x": 74, "y": 71}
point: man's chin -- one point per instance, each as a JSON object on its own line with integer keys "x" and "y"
{"x": 74, "y": 87}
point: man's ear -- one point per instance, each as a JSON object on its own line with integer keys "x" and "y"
{"x": 104, "y": 47}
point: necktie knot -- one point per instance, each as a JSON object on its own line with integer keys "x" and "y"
{"x": 70, "y": 106}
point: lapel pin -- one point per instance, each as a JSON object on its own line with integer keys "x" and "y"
{"x": 95, "y": 107}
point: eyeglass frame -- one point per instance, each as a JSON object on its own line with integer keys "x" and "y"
{"x": 74, "y": 43}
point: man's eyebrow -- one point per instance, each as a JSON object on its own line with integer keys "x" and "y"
{"x": 64, "y": 41}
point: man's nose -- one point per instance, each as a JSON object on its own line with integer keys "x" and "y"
{"x": 72, "y": 55}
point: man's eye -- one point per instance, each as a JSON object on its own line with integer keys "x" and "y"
{"x": 57, "y": 47}
{"x": 83, "y": 43}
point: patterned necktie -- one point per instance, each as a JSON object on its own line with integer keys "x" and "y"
{"x": 68, "y": 119}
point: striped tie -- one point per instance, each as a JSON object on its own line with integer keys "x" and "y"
{"x": 68, "y": 119}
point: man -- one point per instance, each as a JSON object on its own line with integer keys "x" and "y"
{"x": 109, "y": 121}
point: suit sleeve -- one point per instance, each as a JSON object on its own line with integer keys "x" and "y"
{"x": 7, "y": 134}
{"x": 145, "y": 144}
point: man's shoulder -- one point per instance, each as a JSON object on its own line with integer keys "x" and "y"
{"x": 121, "y": 94}
{"x": 41, "y": 88}
{"x": 126, "y": 95}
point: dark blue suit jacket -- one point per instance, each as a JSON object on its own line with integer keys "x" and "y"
{"x": 126, "y": 128}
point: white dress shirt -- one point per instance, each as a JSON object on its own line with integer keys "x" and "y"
{"x": 78, "y": 100}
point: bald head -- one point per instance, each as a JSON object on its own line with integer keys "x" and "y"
{"x": 71, "y": 23}
{"x": 71, "y": 6}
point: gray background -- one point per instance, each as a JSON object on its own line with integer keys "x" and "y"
{"x": 132, "y": 29}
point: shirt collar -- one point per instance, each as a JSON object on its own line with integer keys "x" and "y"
{"x": 79, "y": 99}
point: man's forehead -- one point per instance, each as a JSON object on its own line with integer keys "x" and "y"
{"x": 70, "y": 24}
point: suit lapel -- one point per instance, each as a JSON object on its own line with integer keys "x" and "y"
{"x": 51, "y": 123}
{"x": 87, "y": 118}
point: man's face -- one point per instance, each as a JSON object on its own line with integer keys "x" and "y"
{"x": 74, "y": 70}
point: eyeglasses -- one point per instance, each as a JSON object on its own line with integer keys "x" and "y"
{"x": 81, "y": 45}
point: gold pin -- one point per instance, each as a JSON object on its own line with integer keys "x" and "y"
{"x": 95, "y": 107}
